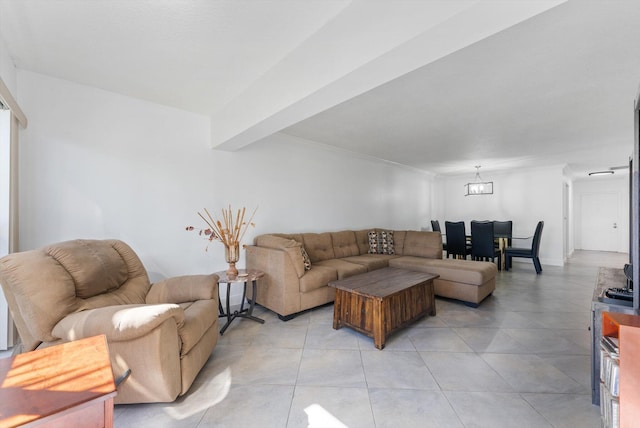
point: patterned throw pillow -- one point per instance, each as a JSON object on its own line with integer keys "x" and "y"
{"x": 305, "y": 259}
{"x": 385, "y": 242}
{"x": 381, "y": 242}
{"x": 373, "y": 242}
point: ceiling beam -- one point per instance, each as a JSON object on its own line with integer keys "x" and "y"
{"x": 322, "y": 72}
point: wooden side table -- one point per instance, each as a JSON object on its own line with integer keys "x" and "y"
{"x": 244, "y": 276}
{"x": 64, "y": 385}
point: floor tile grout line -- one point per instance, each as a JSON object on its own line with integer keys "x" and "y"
{"x": 535, "y": 410}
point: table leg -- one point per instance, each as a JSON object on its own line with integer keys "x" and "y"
{"x": 337, "y": 309}
{"x": 243, "y": 312}
{"x": 244, "y": 296}
{"x": 220, "y": 310}
{"x": 253, "y": 295}
{"x": 249, "y": 311}
{"x": 502, "y": 244}
{"x": 378, "y": 324}
{"x": 430, "y": 297}
{"x": 228, "y": 314}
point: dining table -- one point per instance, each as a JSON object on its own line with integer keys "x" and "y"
{"x": 502, "y": 240}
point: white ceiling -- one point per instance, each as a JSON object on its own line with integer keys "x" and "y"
{"x": 436, "y": 85}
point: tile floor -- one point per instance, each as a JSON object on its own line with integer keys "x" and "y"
{"x": 520, "y": 359}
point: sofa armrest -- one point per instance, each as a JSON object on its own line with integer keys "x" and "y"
{"x": 118, "y": 323}
{"x": 182, "y": 289}
{"x": 279, "y": 288}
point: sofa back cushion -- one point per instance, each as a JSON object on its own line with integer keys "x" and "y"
{"x": 423, "y": 244}
{"x": 295, "y": 236}
{"x": 398, "y": 240}
{"x": 95, "y": 266}
{"x": 133, "y": 288}
{"x": 319, "y": 246}
{"x": 362, "y": 240}
{"x": 290, "y": 246}
{"x": 345, "y": 244}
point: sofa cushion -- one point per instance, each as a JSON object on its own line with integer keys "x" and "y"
{"x": 317, "y": 277}
{"x": 295, "y": 236}
{"x": 371, "y": 261}
{"x": 118, "y": 323}
{"x": 345, "y": 244}
{"x": 198, "y": 317}
{"x": 398, "y": 241}
{"x": 183, "y": 289}
{"x": 362, "y": 239}
{"x": 381, "y": 242}
{"x": 343, "y": 268}
{"x": 293, "y": 249}
{"x": 95, "y": 266}
{"x": 306, "y": 261}
{"x": 462, "y": 271}
{"x": 319, "y": 246}
{"x": 423, "y": 244}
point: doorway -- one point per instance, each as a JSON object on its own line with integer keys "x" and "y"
{"x": 600, "y": 228}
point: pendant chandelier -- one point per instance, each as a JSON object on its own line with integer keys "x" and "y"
{"x": 479, "y": 187}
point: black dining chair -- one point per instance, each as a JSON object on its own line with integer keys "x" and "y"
{"x": 482, "y": 242}
{"x": 456, "y": 239}
{"x": 435, "y": 226}
{"x": 530, "y": 253}
{"x": 504, "y": 230}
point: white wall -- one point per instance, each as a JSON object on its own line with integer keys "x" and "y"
{"x": 525, "y": 196}
{"x": 96, "y": 164}
{"x": 618, "y": 185}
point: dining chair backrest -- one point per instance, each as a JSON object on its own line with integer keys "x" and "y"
{"x": 535, "y": 244}
{"x": 529, "y": 253}
{"x": 503, "y": 229}
{"x": 482, "y": 239}
{"x": 435, "y": 225}
{"x": 456, "y": 238}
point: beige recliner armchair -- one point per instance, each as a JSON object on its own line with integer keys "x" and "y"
{"x": 163, "y": 332}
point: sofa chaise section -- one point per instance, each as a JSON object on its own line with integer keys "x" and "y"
{"x": 466, "y": 280}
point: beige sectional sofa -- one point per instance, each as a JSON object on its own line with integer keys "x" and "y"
{"x": 294, "y": 283}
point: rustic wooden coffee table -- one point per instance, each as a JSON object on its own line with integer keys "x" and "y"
{"x": 382, "y": 301}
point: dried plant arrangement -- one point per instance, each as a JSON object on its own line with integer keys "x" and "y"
{"x": 229, "y": 231}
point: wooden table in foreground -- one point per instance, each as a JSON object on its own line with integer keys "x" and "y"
{"x": 382, "y": 301}
{"x": 62, "y": 386}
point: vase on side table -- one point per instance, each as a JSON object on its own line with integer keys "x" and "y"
{"x": 232, "y": 255}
